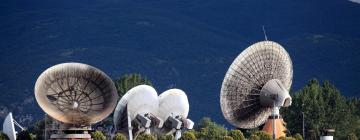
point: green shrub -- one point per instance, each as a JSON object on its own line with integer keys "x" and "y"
{"x": 165, "y": 137}
{"x": 286, "y": 138}
{"x": 351, "y": 136}
{"x": 209, "y": 130}
{"x": 188, "y": 135}
{"x": 98, "y": 135}
{"x": 297, "y": 136}
{"x": 254, "y": 137}
{"x": 145, "y": 137}
{"x": 236, "y": 134}
{"x": 263, "y": 135}
{"x": 226, "y": 138}
{"x": 119, "y": 136}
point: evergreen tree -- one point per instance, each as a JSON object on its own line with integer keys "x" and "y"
{"x": 324, "y": 108}
{"x": 128, "y": 81}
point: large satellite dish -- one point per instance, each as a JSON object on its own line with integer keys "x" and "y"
{"x": 256, "y": 85}
{"x": 174, "y": 109}
{"x": 76, "y": 94}
{"x": 135, "y": 112}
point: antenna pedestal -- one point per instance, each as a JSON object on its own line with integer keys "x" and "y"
{"x": 61, "y": 131}
{"x": 278, "y": 122}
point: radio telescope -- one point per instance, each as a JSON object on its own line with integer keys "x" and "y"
{"x": 77, "y": 95}
{"x": 174, "y": 109}
{"x": 135, "y": 112}
{"x": 255, "y": 87}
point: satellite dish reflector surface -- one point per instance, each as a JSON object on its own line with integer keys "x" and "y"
{"x": 76, "y": 93}
{"x": 173, "y": 102}
{"x": 245, "y": 80}
{"x": 140, "y": 100}
{"x": 8, "y": 127}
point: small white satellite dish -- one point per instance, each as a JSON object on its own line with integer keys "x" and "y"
{"x": 9, "y": 127}
{"x": 172, "y": 103}
{"x": 174, "y": 109}
{"x": 136, "y": 107}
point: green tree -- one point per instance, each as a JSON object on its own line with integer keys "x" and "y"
{"x": 128, "y": 81}
{"x": 165, "y": 137}
{"x": 188, "y": 135}
{"x": 3, "y": 136}
{"x": 333, "y": 111}
{"x": 98, "y": 135}
{"x": 236, "y": 134}
{"x": 209, "y": 130}
{"x": 119, "y": 136}
{"x": 24, "y": 135}
{"x": 145, "y": 137}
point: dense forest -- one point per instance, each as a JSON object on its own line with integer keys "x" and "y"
{"x": 322, "y": 104}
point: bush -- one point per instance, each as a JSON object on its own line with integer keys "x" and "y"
{"x": 351, "y": 136}
{"x": 145, "y": 137}
{"x": 286, "y": 138}
{"x": 119, "y": 136}
{"x": 297, "y": 136}
{"x": 209, "y": 130}
{"x": 166, "y": 137}
{"x": 254, "y": 137}
{"x": 263, "y": 135}
{"x": 98, "y": 135}
{"x": 188, "y": 136}
{"x": 236, "y": 134}
{"x": 227, "y": 138}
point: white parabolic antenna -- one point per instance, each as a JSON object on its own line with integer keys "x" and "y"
{"x": 174, "y": 109}
{"x": 139, "y": 104}
{"x": 8, "y": 127}
{"x": 141, "y": 99}
{"x": 172, "y": 103}
{"x": 257, "y": 81}
{"x": 76, "y": 93}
